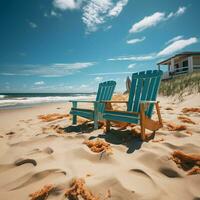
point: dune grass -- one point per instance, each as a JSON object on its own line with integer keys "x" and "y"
{"x": 182, "y": 85}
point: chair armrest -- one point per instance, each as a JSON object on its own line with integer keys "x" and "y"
{"x": 148, "y": 102}
{"x": 113, "y": 101}
{"x": 83, "y": 101}
{"x": 125, "y": 112}
{"x": 108, "y": 104}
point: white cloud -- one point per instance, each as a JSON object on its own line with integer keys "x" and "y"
{"x": 109, "y": 73}
{"x": 98, "y": 78}
{"x": 131, "y": 66}
{"x": 116, "y": 10}
{"x": 7, "y": 74}
{"x": 73, "y": 66}
{"x": 97, "y": 12}
{"x": 147, "y": 22}
{"x": 39, "y": 83}
{"x": 133, "y": 58}
{"x": 53, "y": 13}
{"x": 174, "y": 39}
{"x": 108, "y": 28}
{"x": 180, "y": 11}
{"x": 33, "y": 25}
{"x": 177, "y": 46}
{"x": 136, "y": 40}
{"x": 51, "y": 70}
{"x": 173, "y": 47}
{"x": 154, "y": 19}
{"x": 84, "y": 86}
{"x": 94, "y": 13}
{"x": 67, "y": 4}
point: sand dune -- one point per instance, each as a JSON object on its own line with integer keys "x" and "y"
{"x": 39, "y": 153}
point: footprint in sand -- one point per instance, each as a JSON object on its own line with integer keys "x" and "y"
{"x": 25, "y": 161}
{"x": 46, "y": 150}
{"x": 196, "y": 198}
{"x": 10, "y": 133}
{"x": 169, "y": 172}
{"x": 19, "y": 162}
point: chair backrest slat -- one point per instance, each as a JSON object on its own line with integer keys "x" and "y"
{"x": 105, "y": 92}
{"x": 154, "y": 94}
{"x": 144, "y": 86}
{"x": 132, "y": 92}
{"x": 137, "y": 95}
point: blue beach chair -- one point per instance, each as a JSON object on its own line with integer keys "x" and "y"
{"x": 142, "y": 98}
{"x": 105, "y": 92}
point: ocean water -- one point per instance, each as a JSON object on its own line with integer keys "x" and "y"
{"x": 22, "y": 100}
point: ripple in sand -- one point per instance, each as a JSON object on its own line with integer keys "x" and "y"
{"x": 180, "y": 135}
{"x": 30, "y": 179}
{"x": 140, "y": 171}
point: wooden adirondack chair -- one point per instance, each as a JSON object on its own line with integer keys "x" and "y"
{"x": 142, "y": 98}
{"x": 105, "y": 92}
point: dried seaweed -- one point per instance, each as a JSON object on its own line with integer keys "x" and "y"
{"x": 43, "y": 193}
{"x": 187, "y": 161}
{"x": 175, "y": 127}
{"x": 186, "y": 120}
{"x": 98, "y": 146}
{"x": 121, "y": 125}
{"x": 58, "y": 129}
{"x": 188, "y": 132}
{"x": 78, "y": 189}
{"x": 194, "y": 171}
{"x": 186, "y": 110}
{"x": 52, "y": 117}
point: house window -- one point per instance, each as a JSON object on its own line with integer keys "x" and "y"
{"x": 185, "y": 65}
{"x": 176, "y": 67}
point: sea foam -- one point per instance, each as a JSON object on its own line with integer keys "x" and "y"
{"x": 6, "y": 102}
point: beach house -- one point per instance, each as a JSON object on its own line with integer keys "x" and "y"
{"x": 186, "y": 62}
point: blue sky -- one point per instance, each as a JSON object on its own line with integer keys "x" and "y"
{"x": 72, "y": 45}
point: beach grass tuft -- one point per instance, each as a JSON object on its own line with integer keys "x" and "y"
{"x": 183, "y": 85}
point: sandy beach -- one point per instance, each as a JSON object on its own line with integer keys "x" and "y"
{"x": 34, "y": 153}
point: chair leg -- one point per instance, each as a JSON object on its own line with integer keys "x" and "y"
{"x": 96, "y": 116}
{"x": 74, "y": 118}
{"x": 143, "y": 136}
{"x": 107, "y": 126}
{"x": 142, "y": 122}
{"x": 96, "y": 124}
{"x": 159, "y": 115}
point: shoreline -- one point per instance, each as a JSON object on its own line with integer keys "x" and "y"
{"x": 44, "y": 104}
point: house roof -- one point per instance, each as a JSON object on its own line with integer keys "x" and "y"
{"x": 183, "y": 54}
